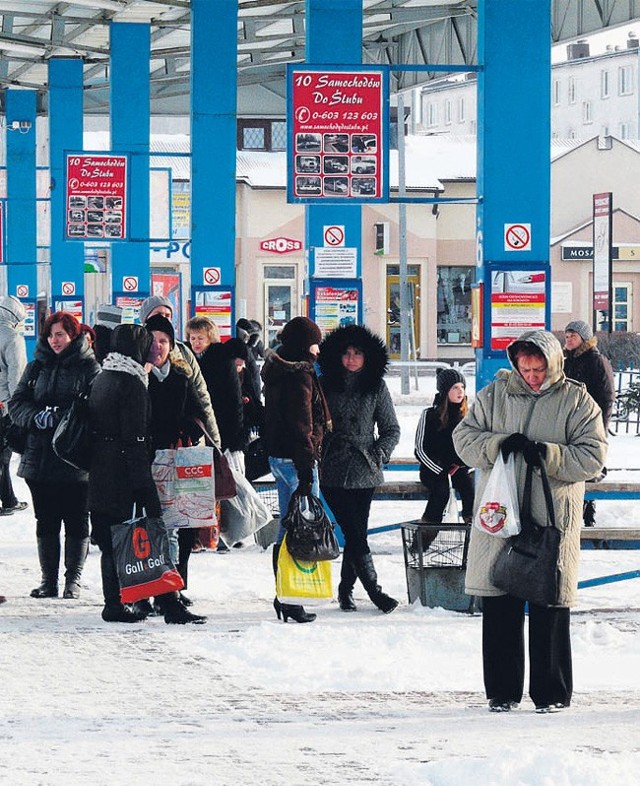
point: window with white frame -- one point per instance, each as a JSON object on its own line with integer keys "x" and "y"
{"x": 625, "y": 80}
{"x": 587, "y": 116}
{"x": 556, "y": 92}
{"x": 624, "y": 130}
{"x": 461, "y": 110}
{"x": 622, "y": 309}
{"x": 572, "y": 90}
{"x": 604, "y": 84}
{"x": 432, "y": 114}
{"x": 447, "y": 111}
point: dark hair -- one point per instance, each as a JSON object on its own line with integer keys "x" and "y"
{"x": 69, "y": 323}
{"x": 444, "y": 410}
{"x": 89, "y": 332}
{"x": 528, "y": 349}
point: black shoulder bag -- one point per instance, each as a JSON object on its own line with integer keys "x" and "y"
{"x": 527, "y": 567}
{"x": 310, "y": 533}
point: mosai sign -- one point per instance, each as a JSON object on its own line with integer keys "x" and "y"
{"x": 280, "y": 245}
{"x": 96, "y": 197}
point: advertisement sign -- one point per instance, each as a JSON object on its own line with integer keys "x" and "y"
{"x": 518, "y": 301}
{"x": 96, "y": 196}
{"x": 337, "y": 143}
{"x": 70, "y": 306}
{"x": 130, "y": 308}
{"x": 216, "y": 304}
{"x": 335, "y": 306}
{"x": 602, "y": 213}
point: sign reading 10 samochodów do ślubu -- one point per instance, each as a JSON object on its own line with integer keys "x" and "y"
{"x": 96, "y": 198}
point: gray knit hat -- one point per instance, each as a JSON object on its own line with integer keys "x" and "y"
{"x": 581, "y": 328}
{"x": 108, "y": 315}
{"x": 446, "y": 378}
{"x": 148, "y": 304}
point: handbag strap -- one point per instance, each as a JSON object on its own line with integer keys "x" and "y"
{"x": 207, "y": 436}
{"x": 525, "y": 513}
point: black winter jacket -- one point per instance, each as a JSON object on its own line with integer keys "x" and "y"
{"x": 587, "y": 365}
{"x": 60, "y": 379}
{"x": 434, "y": 445}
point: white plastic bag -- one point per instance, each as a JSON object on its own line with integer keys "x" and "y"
{"x": 451, "y": 514}
{"x": 498, "y": 513}
{"x": 244, "y": 514}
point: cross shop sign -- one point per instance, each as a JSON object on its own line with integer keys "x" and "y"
{"x": 280, "y": 245}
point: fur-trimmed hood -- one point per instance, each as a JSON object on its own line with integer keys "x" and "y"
{"x": 591, "y": 343}
{"x": 334, "y": 375}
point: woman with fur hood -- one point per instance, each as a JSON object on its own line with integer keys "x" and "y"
{"x": 536, "y": 413}
{"x": 365, "y": 430}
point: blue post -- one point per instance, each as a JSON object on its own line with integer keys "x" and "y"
{"x": 514, "y": 131}
{"x": 21, "y": 252}
{"x": 214, "y": 34}
{"x": 65, "y": 136}
{"x": 130, "y": 133}
{"x": 332, "y": 43}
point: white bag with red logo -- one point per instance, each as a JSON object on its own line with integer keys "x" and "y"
{"x": 185, "y": 481}
{"x": 498, "y": 513}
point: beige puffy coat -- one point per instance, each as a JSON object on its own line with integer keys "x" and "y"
{"x": 568, "y": 421}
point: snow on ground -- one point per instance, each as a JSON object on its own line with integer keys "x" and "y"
{"x": 350, "y": 699}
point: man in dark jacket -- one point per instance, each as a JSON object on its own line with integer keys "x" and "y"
{"x": 584, "y": 363}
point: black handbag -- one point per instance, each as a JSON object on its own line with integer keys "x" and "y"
{"x": 256, "y": 460}
{"x": 310, "y": 533}
{"x": 13, "y": 436}
{"x": 527, "y": 566}
{"x": 72, "y": 438}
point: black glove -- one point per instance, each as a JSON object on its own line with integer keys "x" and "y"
{"x": 534, "y": 452}
{"x": 304, "y": 488}
{"x": 514, "y": 443}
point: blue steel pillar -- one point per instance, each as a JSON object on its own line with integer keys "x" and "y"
{"x": 65, "y": 136}
{"x": 130, "y": 133}
{"x": 21, "y": 242}
{"x": 514, "y": 132}
{"x": 334, "y": 37}
{"x": 214, "y": 78}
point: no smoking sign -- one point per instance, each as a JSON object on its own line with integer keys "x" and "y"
{"x": 517, "y": 237}
{"x": 333, "y": 236}
{"x": 211, "y": 276}
{"x": 68, "y": 288}
{"x": 130, "y": 283}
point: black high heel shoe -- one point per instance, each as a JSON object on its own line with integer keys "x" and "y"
{"x": 278, "y": 607}
{"x": 297, "y": 613}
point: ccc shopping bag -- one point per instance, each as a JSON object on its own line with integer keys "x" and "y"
{"x": 141, "y": 554}
{"x": 185, "y": 481}
{"x": 498, "y": 513}
{"x": 299, "y": 581}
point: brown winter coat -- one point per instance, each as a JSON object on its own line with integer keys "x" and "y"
{"x": 568, "y": 421}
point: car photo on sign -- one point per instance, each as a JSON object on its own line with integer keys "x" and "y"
{"x": 308, "y": 164}
{"x": 308, "y": 185}
{"x": 76, "y": 230}
{"x": 113, "y": 230}
{"x": 113, "y": 203}
{"x": 336, "y": 143}
{"x": 366, "y": 143}
{"x": 311, "y": 143}
{"x": 95, "y": 216}
{"x": 336, "y": 164}
{"x": 77, "y": 201}
{"x": 95, "y": 230}
{"x": 336, "y": 185}
{"x": 96, "y": 202}
{"x": 111, "y": 217}
{"x": 363, "y": 166}
{"x": 76, "y": 215}
{"x": 363, "y": 186}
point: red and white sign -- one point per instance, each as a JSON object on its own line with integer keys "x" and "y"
{"x": 22, "y": 290}
{"x": 130, "y": 284}
{"x": 517, "y": 237}
{"x": 96, "y": 196}
{"x": 211, "y": 275}
{"x": 338, "y": 134}
{"x": 68, "y": 287}
{"x": 333, "y": 236}
{"x": 281, "y": 245}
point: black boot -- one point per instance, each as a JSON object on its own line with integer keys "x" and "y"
{"x": 176, "y": 614}
{"x": 114, "y": 610}
{"x": 286, "y": 610}
{"x": 345, "y": 588}
{"x": 75, "y": 554}
{"x": 367, "y": 575}
{"x": 49, "y": 556}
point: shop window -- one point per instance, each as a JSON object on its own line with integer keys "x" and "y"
{"x": 621, "y": 310}
{"x": 258, "y": 134}
{"x": 453, "y": 304}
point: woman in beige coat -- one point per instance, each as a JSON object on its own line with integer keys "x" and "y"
{"x": 538, "y": 414}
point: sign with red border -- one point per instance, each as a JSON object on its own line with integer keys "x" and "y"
{"x": 280, "y": 245}
{"x": 338, "y": 133}
{"x": 96, "y": 196}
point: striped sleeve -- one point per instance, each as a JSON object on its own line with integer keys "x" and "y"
{"x": 419, "y": 450}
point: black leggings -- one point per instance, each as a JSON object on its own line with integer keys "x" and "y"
{"x": 351, "y": 510}
{"x": 54, "y": 503}
{"x": 438, "y": 486}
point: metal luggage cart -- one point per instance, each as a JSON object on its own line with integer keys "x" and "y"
{"x": 268, "y": 493}
{"x": 435, "y": 558}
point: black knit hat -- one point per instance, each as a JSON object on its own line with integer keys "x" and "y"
{"x": 446, "y": 378}
{"x": 158, "y": 322}
{"x": 236, "y": 348}
{"x": 300, "y": 333}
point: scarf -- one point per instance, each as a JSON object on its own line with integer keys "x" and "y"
{"x": 115, "y": 361}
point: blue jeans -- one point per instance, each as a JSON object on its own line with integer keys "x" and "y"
{"x": 286, "y": 476}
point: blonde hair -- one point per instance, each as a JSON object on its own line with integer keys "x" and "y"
{"x": 206, "y": 325}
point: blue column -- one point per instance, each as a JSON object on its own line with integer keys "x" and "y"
{"x": 65, "y": 136}
{"x": 20, "y": 247}
{"x": 332, "y": 43}
{"x": 130, "y": 133}
{"x": 514, "y": 132}
{"x": 214, "y": 34}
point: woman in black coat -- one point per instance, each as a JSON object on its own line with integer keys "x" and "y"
{"x": 120, "y": 473}
{"x": 64, "y": 368}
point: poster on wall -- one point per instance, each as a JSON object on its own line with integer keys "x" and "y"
{"x": 28, "y": 325}
{"x": 335, "y": 306}
{"x": 602, "y": 218}
{"x": 168, "y": 285}
{"x": 337, "y": 138}
{"x": 130, "y": 308}
{"x": 70, "y": 306}
{"x": 96, "y": 196}
{"x": 518, "y": 301}
{"x": 216, "y": 304}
